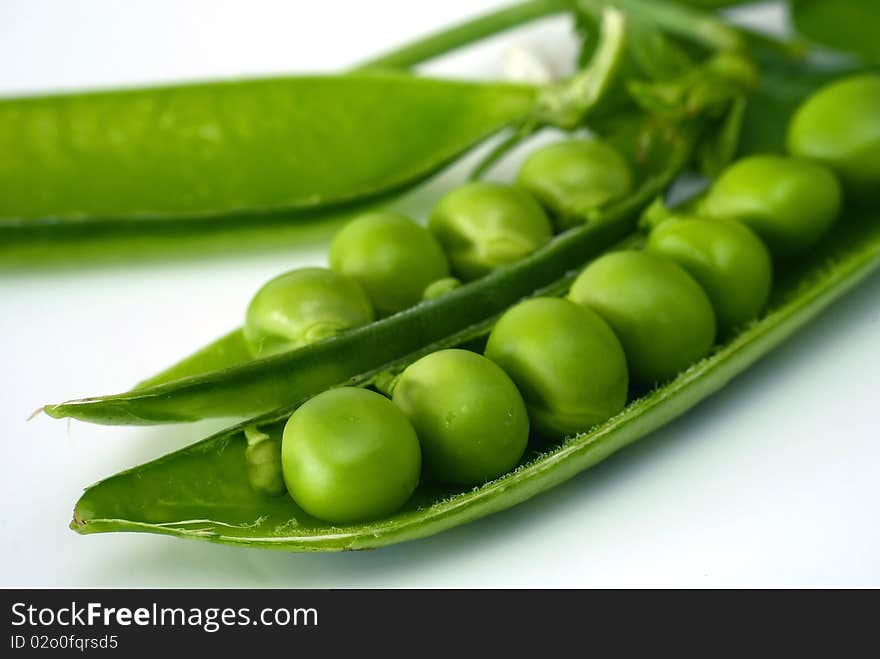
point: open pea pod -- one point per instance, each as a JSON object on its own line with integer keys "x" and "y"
{"x": 222, "y": 387}
{"x": 203, "y": 491}
{"x": 221, "y": 380}
{"x": 259, "y": 385}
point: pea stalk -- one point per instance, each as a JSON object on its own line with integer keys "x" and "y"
{"x": 567, "y": 104}
{"x": 694, "y": 25}
{"x": 682, "y": 20}
{"x": 465, "y": 33}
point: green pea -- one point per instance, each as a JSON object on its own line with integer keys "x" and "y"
{"x": 659, "y": 312}
{"x": 573, "y": 177}
{"x": 470, "y": 418}
{"x": 263, "y": 458}
{"x": 726, "y": 258}
{"x": 839, "y": 126}
{"x": 350, "y": 455}
{"x": 483, "y": 226}
{"x": 391, "y": 256}
{"x": 440, "y": 288}
{"x": 566, "y": 361}
{"x": 301, "y": 307}
{"x": 789, "y": 202}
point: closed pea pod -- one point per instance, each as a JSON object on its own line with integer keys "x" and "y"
{"x": 145, "y": 171}
{"x": 572, "y": 177}
{"x": 213, "y": 149}
{"x": 789, "y": 202}
{"x": 566, "y": 361}
{"x": 658, "y": 311}
{"x": 469, "y": 417}
{"x": 483, "y": 226}
{"x": 839, "y": 126}
{"x": 349, "y": 455}
{"x": 391, "y": 256}
{"x": 726, "y": 258}
{"x": 301, "y": 307}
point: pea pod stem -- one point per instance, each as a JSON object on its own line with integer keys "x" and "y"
{"x": 567, "y": 104}
{"x": 692, "y": 24}
{"x": 465, "y": 33}
{"x": 500, "y": 150}
{"x": 707, "y": 29}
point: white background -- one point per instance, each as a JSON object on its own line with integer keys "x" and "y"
{"x": 772, "y": 482}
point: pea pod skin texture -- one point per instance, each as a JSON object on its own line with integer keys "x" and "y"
{"x": 845, "y": 25}
{"x": 789, "y": 202}
{"x": 202, "y": 491}
{"x": 664, "y": 320}
{"x": 839, "y": 126}
{"x": 229, "y": 350}
{"x": 243, "y": 147}
{"x": 726, "y": 258}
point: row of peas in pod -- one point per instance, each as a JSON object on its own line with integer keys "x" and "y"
{"x": 383, "y": 262}
{"x": 551, "y": 367}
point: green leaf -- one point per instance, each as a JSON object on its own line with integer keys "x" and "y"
{"x": 203, "y": 491}
{"x": 851, "y": 26}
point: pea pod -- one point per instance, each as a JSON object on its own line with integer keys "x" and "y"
{"x": 149, "y": 166}
{"x": 203, "y": 491}
{"x": 217, "y": 383}
{"x": 263, "y": 384}
{"x": 226, "y": 149}
{"x": 222, "y": 380}
{"x": 198, "y": 387}
{"x": 846, "y": 25}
